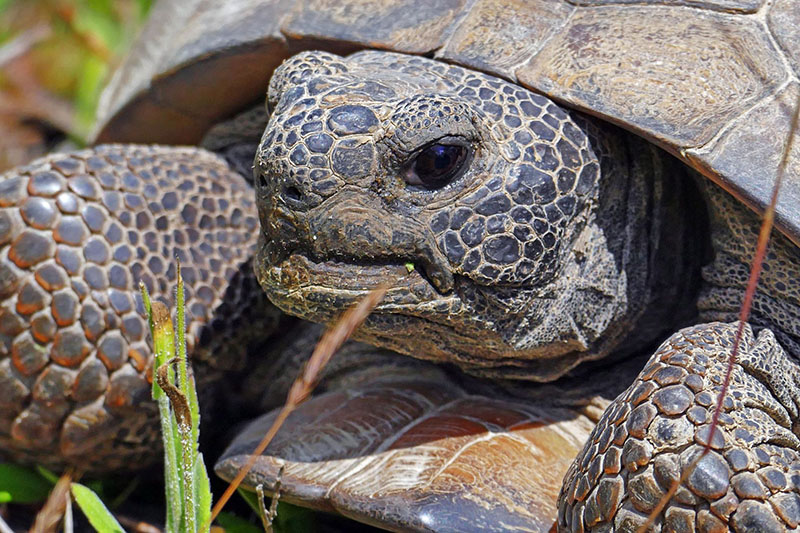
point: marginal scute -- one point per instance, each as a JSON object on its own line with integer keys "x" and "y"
{"x": 752, "y": 178}
{"x": 401, "y": 25}
{"x": 588, "y": 66}
{"x": 237, "y": 40}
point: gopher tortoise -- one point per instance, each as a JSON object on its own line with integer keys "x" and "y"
{"x": 549, "y": 189}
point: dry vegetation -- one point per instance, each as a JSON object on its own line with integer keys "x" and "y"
{"x": 55, "y": 56}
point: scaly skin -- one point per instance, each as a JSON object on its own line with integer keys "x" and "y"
{"x": 524, "y": 251}
{"x": 653, "y": 430}
{"x": 78, "y": 232}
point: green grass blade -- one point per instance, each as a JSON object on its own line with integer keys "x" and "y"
{"x": 188, "y": 432}
{"x": 234, "y": 524}
{"x": 164, "y": 350}
{"x": 186, "y": 384}
{"x": 99, "y": 517}
{"x": 203, "y": 498}
{"x": 22, "y": 485}
{"x": 173, "y": 480}
{"x": 148, "y": 311}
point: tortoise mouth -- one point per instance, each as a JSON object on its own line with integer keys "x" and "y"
{"x": 320, "y": 288}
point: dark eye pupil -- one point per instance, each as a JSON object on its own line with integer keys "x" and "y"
{"x": 435, "y": 164}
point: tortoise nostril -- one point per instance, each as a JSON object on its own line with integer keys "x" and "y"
{"x": 292, "y": 193}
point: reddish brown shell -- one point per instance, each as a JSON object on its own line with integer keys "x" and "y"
{"x": 712, "y": 81}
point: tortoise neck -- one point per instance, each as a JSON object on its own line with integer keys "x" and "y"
{"x": 236, "y": 140}
{"x": 663, "y": 259}
{"x": 776, "y": 305}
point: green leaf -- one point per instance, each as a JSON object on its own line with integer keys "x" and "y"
{"x": 90, "y": 82}
{"x": 250, "y": 497}
{"x": 293, "y": 519}
{"x": 52, "y": 477}
{"x": 236, "y": 524}
{"x": 202, "y": 491}
{"x": 144, "y": 7}
{"x": 22, "y": 485}
{"x": 91, "y": 505}
{"x": 99, "y": 22}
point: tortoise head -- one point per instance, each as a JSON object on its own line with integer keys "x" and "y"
{"x": 473, "y": 199}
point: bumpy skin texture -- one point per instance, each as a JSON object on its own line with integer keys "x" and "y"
{"x": 524, "y": 249}
{"x": 561, "y": 241}
{"x": 78, "y": 232}
{"x": 654, "y": 430}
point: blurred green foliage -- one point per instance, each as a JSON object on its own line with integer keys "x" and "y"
{"x": 70, "y": 48}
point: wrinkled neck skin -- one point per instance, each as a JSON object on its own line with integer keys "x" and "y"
{"x": 236, "y": 140}
{"x": 776, "y": 304}
{"x": 564, "y": 240}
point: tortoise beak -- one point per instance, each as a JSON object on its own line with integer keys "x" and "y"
{"x": 354, "y": 228}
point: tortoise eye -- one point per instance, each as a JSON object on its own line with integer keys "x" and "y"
{"x": 436, "y": 165}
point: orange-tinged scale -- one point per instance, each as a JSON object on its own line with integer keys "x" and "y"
{"x": 138, "y": 360}
{"x": 43, "y": 328}
{"x": 30, "y": 299}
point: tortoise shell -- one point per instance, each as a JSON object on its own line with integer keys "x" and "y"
{"x": 713, "y": 82}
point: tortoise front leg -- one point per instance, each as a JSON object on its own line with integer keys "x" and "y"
{"x": 78, "y": 232}
{"x": 655, "y": 429}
